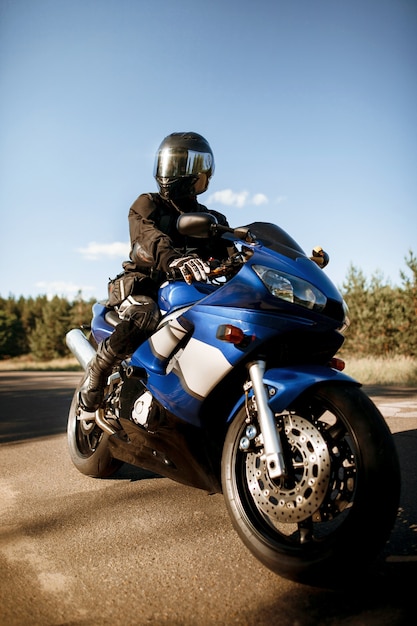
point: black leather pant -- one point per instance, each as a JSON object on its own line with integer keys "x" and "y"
{"x": 139, "y": 318}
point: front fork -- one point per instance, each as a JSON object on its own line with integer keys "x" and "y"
{"x": 272, "y": 443}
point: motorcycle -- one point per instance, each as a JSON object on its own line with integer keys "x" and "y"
{"x": 239, "y": 392}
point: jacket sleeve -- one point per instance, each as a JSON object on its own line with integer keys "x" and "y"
{"x": 150, "y": 247}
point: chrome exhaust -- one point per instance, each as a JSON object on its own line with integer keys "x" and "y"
{"x": 83, "y": 351}
{"x": 80, "y": 347}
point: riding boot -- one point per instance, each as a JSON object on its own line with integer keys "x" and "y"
{"x": 100, "y": 367}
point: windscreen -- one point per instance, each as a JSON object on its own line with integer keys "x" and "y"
{"x": 274, "y": 237}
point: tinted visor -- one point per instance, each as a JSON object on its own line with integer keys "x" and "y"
{"x": 174, "y": 163}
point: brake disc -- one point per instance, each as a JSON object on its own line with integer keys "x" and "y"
{"x": 300, "y": 494}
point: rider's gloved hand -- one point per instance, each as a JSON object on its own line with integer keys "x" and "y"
{"x": 191, "y": 268}
{"x": 320, "y": 257}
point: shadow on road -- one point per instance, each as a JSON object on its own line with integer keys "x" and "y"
{"x": 399, "y": 559}
{"x": 132, "y": 474}
{"x": 35, "y": 404}
{"x": 392, "y": 392}
{"x": 37, "y": 407}
{"x": 384, "y": 600}
{"x": 403, "y": 541}
{"x": 388, "y": 590}
{"x": 28, "y": 414}
{"x": 385, "y": 593}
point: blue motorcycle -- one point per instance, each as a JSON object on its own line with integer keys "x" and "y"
{"x": 239, "y": 391}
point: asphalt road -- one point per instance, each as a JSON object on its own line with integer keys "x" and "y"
{"x": 136, "y": 549}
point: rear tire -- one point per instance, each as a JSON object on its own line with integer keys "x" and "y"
{"x": 334, "y": 511}
{"x": 88, "y": 444}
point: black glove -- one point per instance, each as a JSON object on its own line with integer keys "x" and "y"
{"x": 191, "y": 268}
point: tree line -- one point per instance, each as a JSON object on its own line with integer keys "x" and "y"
{"x": 383, "y": 318}
{"x": 37, "y": 326}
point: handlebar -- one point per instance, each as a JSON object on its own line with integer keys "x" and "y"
{"x": 227, "y": 268}
{"x": 224, "y": 269}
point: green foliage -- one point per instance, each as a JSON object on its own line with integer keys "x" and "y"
{"x": 383, "y": 317}
{"x": 11, "y": 334}
{"x": 38, "y": 325}
{"x": 47, "y": 339}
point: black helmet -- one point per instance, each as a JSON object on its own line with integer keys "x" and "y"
{"x": 184, "y": 165}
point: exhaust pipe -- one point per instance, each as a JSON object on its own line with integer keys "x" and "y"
{"x": 83, "y": 351}
{"x": 80, "y": 347}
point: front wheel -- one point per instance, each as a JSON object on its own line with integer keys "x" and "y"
{"x": 335, "y": 508}
{"x": 87, "y": 443}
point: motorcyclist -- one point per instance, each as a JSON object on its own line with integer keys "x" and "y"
{"x": 184, "y": 164}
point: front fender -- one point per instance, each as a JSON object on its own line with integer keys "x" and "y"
{"x": 287, "y": 383}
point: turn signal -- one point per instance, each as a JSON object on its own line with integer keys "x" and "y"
{"x": 337, "y": 364}
{"x": 232, "y": 334}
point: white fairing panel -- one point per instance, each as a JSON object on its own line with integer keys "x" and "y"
{"x": 201, "y": 366}
{"x": 168, "y": 335}
{"x": 165, "y": 340}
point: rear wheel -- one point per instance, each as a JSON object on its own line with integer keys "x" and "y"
{"x": 87, "y": 443}
{"x": 334, "y": 510}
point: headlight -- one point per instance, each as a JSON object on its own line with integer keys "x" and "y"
{"x": 291, "y": 288}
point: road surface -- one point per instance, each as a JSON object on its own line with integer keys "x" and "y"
{"x": 136, "y": 549}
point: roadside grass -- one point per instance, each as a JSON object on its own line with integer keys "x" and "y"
{"x": 395, "y": 370}
{"x": 27, "y": 363}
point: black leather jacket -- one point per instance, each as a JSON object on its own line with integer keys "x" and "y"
{"x": 155, "y": 240}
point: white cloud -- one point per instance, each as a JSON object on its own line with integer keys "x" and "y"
{"x": 229, "y": 198}
{"x": 62, "y": 289}
{"x": 239, "y": 199}
{"x": 259, "y": 198}
{"x": 95, "y": 251}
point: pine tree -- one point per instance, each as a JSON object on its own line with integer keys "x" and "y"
{"x": 81, "y": 311}
{"x": 408, "y": 328}
{"x": 47, "y": 340}
{"x": 355, "y": 294}
{"x": 12, "y": 332}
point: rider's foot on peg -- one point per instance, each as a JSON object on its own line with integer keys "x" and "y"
{"x": 91, "y": 393}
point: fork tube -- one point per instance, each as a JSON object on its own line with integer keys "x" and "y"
{"x": 272, "y": 444}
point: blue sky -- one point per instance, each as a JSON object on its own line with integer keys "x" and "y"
{"x": 309, "y": 106}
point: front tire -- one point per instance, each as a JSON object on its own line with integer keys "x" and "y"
{"x": 88, "y": 444}
{"x": 333, "y": 512}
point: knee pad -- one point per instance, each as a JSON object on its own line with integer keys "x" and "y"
{"x": 142, "y": 311}
{"x": 125, "y": 338}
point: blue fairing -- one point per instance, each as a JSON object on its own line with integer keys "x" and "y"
{"x": 171, "y": 296}
{"x": 178, "y": 294}
{"x": 99, "y": 327}
{"x": 246, "y": 291}
{"x": 291, "y": 382}
{"x": 201, "y": 310}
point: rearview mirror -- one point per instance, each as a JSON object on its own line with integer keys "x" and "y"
{"x": 200, "y": 225}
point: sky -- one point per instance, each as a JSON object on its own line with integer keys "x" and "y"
{"x": 309, "y": 107}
